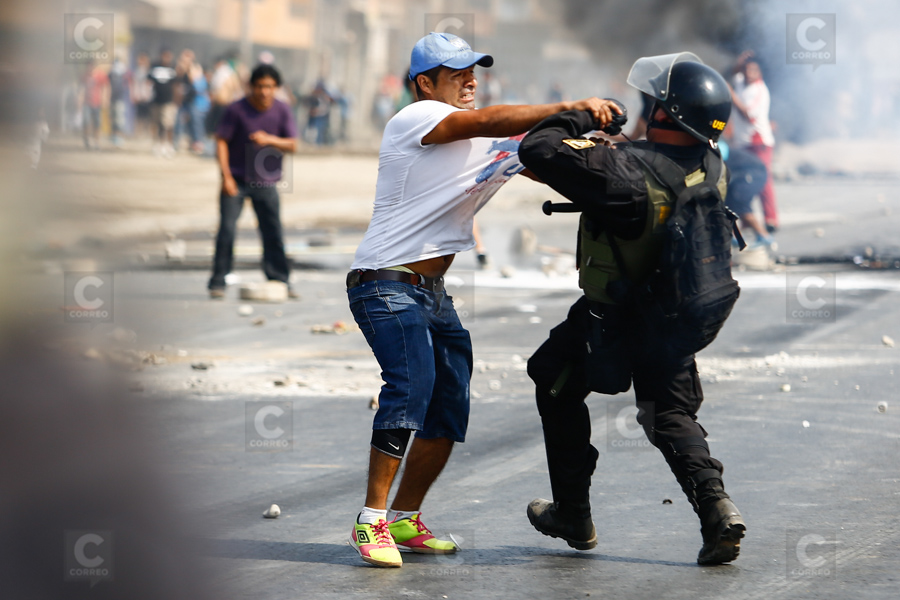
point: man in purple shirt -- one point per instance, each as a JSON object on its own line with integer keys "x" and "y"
{"x": 250, "y": 140}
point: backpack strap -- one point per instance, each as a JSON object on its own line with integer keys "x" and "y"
{"x": 669, "y": 174}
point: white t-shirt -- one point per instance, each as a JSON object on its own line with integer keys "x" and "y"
{"x": 426, "y": 196}
{"x": 755, "y": 98}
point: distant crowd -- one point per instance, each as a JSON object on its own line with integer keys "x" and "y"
{"x": 178, "y": 102}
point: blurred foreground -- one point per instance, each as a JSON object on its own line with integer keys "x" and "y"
{"x": 135, "y": 430}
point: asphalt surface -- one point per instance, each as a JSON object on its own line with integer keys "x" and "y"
{"x": 817, "y": 460}
{"x": 812, "y": 466}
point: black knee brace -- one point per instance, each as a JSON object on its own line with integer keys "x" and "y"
{"x": 391, "y": 441}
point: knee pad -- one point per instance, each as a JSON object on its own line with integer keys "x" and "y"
{"x": 391, "y": 441}
{"x": 682, "y": 446}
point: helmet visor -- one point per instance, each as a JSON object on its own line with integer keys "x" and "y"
{"x": 651, "y": 73}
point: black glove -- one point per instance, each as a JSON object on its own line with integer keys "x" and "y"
{"x": 615, "y": 127}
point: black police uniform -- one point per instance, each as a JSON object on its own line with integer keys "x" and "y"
{"x": 610, "y": 187}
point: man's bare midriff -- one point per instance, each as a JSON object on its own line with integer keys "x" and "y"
{"x": 432, "y": 267}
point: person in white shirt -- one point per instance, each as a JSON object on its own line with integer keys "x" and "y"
{"x": 440, "y": 162}
{"x": 752, "y": 129}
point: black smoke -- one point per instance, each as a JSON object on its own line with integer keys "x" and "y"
{"x": 846, "y": 99}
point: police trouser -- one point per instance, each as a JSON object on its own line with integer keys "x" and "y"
{"x": 668, "y": 395}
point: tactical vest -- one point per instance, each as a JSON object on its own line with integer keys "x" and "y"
{"x": 596, "y": 262}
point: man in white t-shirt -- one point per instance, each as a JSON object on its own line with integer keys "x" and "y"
{"x": 752, "y": 130}
{"x": 440, "y": 161}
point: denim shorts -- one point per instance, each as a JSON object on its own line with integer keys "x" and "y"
{"x": 425, "y": 357}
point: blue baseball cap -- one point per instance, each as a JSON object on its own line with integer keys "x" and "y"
{"x": 436, "y": 49}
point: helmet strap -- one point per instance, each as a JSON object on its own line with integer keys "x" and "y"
{"x": 667, "y": 125}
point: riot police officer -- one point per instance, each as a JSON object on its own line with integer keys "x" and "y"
{"x": 605, "y": 344}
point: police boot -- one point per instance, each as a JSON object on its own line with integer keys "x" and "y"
{"x": 721, "y": 524}
{"x": 570, "y": 521}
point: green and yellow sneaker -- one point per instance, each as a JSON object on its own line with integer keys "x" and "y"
{"x": 412, "y": 534}
{"x": 375, "y": 544}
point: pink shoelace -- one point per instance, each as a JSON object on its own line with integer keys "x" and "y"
{"x": 416, "y": 520}
{"x": 382, "y": 535}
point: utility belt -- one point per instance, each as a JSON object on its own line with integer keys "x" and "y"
{"x": 357, "y": 277}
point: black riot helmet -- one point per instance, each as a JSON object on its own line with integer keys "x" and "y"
{"x": 694, "y": 95}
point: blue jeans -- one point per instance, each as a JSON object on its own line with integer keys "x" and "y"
{"x": 198, "y": 129}
{"x": 425, "y": 357}
{"x": 192, "y": 120}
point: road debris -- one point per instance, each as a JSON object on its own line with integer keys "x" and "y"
{"x": 245, "y": 310}
{"x": 887, "y": 341}
{"x": 176, "y": 250}
{"x": 156, "y": 360}
{"x": 882, "y": 406}
{"x": 338, "y": 327}
{"x": 269, "y": 291}
{"x": 272, "y": 512}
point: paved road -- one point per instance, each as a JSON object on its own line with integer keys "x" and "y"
{"x": 818, "y": 460}
{"x": 814, "y": 467}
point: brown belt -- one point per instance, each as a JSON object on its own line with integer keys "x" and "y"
{"x": 432, "y": 284}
